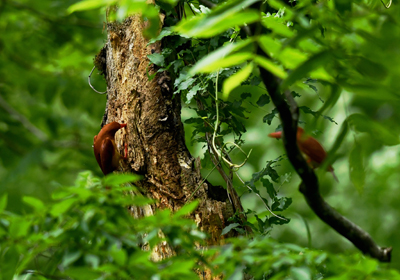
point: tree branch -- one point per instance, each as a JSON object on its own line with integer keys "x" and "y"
{"x": 360, "y": 238}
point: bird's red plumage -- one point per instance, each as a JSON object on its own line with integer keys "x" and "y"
{"x": 104, "y": 147}
{"x": 310, "y": 147}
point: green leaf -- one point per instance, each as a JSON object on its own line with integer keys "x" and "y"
{"x": 236, "y": 80}
{"x": 269, "y": 117}
{"x": 377, "y": 131}
{"x": 291, "y": 58}
{"x": 185, "y": 84}
{"x": 192, "y": 93}
{"x": 207, "y": 26}
{"x": 228, "y": 61}
{"x": 369, "y": 90}
{"x": 62, "y": 207}
{"x": 281, "y": 204}
{"x": 3, "y": 202}
{"x": 270, "y": 66}
{"x": 263, "y": 100}
{"x": 222, "y": 58}
{"x": 315, "y": 62}
{"x": 356, "y": 167}
{"x": 89, "y": 5}
{"x": 229, "y": 228}
{"x": 300, "y": 273}
{"x": 70, "y": 257}
{"x": 9, "y": 262}
{"x": 187, "y": 209}
{"x": 269, "y": 45}
{"x": 119, "y": 179}
{"x": 157, "y": 59}
{"x": 37, "y": 204}
{"x": 166, "y": 31}
{"x": 278, "y": 26}
{"x": 370, "y": 69}
{"x": 19, "y": 227}
{"x": 269, "y": 186}
{"x": 93, "y": 260}
{"x": 119, "y": 255}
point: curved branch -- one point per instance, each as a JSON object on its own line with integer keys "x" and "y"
{"x": 360, "y": 238}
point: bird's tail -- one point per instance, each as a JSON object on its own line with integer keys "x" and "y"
{"x": 333, "y": 174}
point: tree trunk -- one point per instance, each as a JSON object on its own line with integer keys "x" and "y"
{"x": 154, "y": 134}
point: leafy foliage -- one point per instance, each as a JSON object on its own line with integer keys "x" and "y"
{"x": 338, "y": 58}
{"x": 86, "y": 232}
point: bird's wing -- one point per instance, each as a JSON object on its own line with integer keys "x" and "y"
{"x": 106, "y": 156}
{"x": 313, "y": 149}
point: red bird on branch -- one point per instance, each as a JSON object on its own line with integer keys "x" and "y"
{"x": 313, "y": 150}
{"x": 105, "y": 150}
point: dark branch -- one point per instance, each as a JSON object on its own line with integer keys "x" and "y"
{"x": 310, "y": 186}
{"x": 360, "y": 238}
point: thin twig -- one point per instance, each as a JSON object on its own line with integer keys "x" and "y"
{"x": 230, "y": 164}
{"x": 99, "y": 92}
{"x": 265, "y": 204}
{"x": 387, "y": 6}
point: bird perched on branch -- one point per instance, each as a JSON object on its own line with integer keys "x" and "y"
{"x": 313, "y": 150}
{"x": 105, "y": 150}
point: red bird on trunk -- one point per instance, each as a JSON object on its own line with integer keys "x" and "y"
{"x": 310, "y": 147}
{"x": 105, "y": 150}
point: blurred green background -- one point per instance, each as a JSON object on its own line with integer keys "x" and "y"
{"x": 49, "y": 115}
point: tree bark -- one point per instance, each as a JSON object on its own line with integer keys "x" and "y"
{"x": 154, "y": 134}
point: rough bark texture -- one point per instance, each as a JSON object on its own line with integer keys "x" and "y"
{"x": 155, "y": 136}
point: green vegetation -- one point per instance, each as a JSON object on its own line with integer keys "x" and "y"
{"x": 337, "y": 58}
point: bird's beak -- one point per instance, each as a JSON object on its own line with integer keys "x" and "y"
{"x": 122, "y": 125}
{"x": 277, "y": 135}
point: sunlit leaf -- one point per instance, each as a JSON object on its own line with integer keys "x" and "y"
{"x": 187, "y": 209}
{"x": 269, "y": 45}
{"x": 119, "y": 179}
{"x": 19, "y": 227}
{"x": 277, "y": 26}
{"x": 37, "y": 204}
{"x": 223, "y": 57}
{"x": 3, "y": 202}
{"x": 270, "y": 66}
{"x": 236, "y": 80}
{"x": 62, "y": 207}
{"x": 89, "y": 5}
{"x": 311, "y": 64}
{"x": 227, "y": 16}
{"x": 300, "y": 273}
